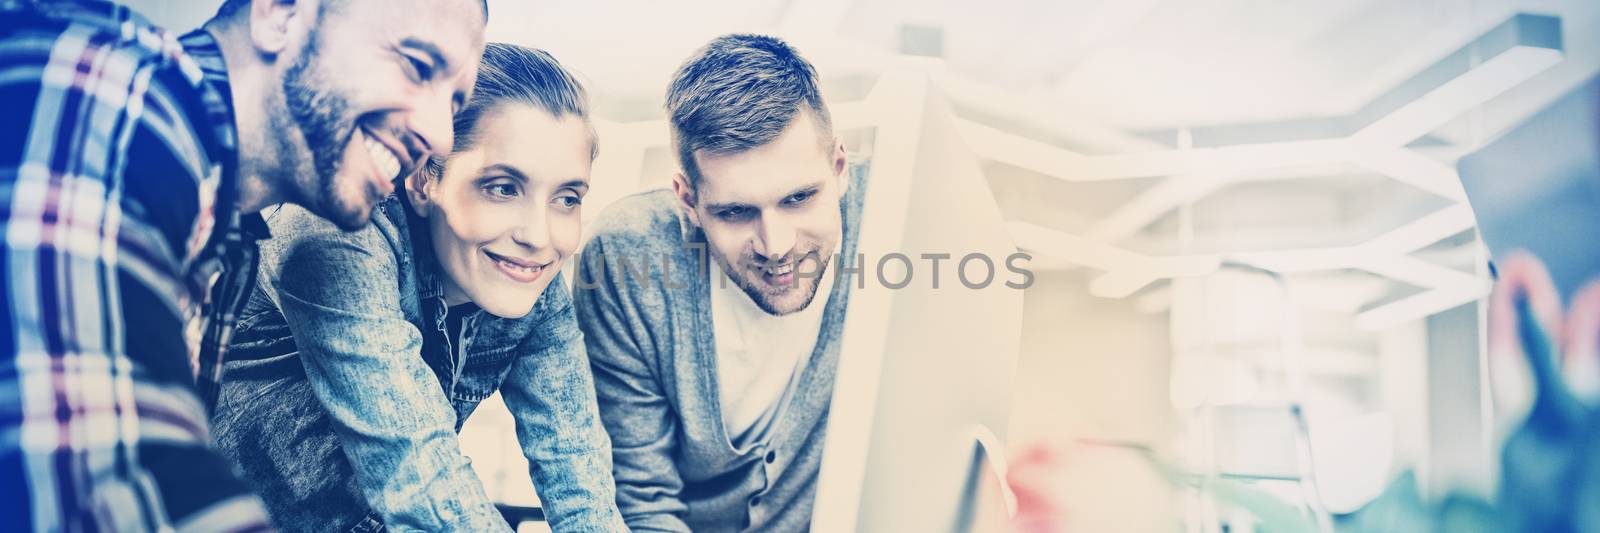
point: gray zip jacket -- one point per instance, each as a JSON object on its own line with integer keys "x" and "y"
{"x": 643, "y": 303}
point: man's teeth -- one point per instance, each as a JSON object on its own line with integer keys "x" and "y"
{"x": 387, "y": 163}
{"x": 779, "y": 271}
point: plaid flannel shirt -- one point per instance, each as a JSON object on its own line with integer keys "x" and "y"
{"x": 117, "y": 163}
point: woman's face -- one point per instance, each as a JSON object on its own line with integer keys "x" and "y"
{"x": 505, "y": 215}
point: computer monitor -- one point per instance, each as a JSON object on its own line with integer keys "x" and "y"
{"x": 923, "y": 389}
{"x": 1537, "y": 188}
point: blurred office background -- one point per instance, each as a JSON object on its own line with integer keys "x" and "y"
{"x": 1235, "y": 206}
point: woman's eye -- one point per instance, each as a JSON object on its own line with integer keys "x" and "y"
{"x": 569, "y": 201}
{"x": 501, "y": 190}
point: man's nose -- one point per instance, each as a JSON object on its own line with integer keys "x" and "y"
{"x": 433, "y": 120}
{"x": 775, "y": 238}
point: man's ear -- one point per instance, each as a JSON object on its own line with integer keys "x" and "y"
{"x": 841, "y": 166}
{"x": 272, "y": 23}
{"x": 686, "y": 198}
{"x": 416, "y": 186}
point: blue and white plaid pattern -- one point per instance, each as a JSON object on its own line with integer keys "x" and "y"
{"x": 116, "y": 158}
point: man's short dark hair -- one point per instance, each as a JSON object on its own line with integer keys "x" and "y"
{"x": 740, "y": 92}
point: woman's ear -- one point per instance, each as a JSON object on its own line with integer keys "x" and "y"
{"x": 418, "y": 188}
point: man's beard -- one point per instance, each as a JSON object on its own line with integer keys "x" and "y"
{"x": 743, "y": 276}
{"x": 321, "y": 114}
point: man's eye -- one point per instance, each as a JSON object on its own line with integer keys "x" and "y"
{"x": 798, "y": 198}
{"x": 733, "y": 214}
{"x": 423, "y": 70}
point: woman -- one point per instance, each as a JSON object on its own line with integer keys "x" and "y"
{"x": 360, "y": 355}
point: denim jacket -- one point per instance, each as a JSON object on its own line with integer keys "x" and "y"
{"x": 342, "y": 396}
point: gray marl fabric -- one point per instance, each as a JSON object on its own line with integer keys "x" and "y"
{"x": 650, "y": 342}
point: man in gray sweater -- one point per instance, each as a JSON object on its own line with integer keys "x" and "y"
{"x": 714, "y": 376}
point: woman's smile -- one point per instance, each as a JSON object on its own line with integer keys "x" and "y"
{"x": 519, "y": 270}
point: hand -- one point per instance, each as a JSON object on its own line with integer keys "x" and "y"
{"x": 1536, "y": 358}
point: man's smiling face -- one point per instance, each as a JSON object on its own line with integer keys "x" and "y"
{"x": 771, "y": 213}
{"x": 369, "y": 96}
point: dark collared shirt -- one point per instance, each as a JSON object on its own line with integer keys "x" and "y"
{"x": 228, "y": 266}
{"x": 117, "y": 171}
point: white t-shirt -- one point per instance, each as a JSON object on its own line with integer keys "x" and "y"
{"x": 759, "y": 356}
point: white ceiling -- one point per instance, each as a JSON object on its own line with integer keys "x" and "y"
{"x": 1096, "y": 77}
{"x": 1124, "y": 65}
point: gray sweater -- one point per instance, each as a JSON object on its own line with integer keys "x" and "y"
{"x": 643, "y": 302}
